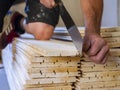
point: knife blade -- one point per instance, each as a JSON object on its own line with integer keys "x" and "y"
{"x": 71, "y": 27}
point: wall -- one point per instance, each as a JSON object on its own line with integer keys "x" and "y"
{"x": 110, "y": 13}
{"x": 73, "y": 7}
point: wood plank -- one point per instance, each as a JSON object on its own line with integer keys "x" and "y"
{"x": 52, "y": 80}
{"x": 115, "y": 52}
{"x": 7, "y": 61}
{"x": 114, "y": 45}
{"x": 110, "y": 29}
{"x": 67, "y": 87}
{"x": 113, "y": 39}
{"x": 50, "y": 48}
{"x": 110, "y": 58}
{"x": 55, "y": 59}
{"x": 104, "y": 84}
{"x": 55, "y": 70}
{"x": 38, "y": 75}
{"x": 109, "y": 88}
{"x": 46, "y": 85}
{"x": 110, "y": 34}
{"x": 107, "y": 64}
{"x": 47, "y": 65}
{"x": 100, "y": 79}
{"x": 101, "y": 74}
{"x": 100, "y": 69}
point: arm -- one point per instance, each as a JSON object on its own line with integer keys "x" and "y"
{"x": 92, "y": 10}
{"x": 95, "y": 46}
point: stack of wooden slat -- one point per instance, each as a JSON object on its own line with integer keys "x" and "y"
{"x": 107, "y": 76}
{"x": 55, "y": 65}
{"x": 112, "y": 36}
{"x": 41, "y": 65}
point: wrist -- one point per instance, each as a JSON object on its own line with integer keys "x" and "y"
{"x": 92, "y": 31}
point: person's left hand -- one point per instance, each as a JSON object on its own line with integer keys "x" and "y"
{"x": 95, "y": 48}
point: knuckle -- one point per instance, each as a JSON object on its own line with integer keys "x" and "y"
{"x": 98, "y": 60}
{"x": 106, "y": 48}
{"x": 92, "y": 53}
{"x": 102, "y": 41}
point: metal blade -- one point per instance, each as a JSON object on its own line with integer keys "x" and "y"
{"x": 71, "y": 27}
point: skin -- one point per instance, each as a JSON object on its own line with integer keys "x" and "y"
{"x": 95, "y": 47}
{"x": 41, "y": 31}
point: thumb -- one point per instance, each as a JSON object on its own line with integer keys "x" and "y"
{"x": 86, "y": 46}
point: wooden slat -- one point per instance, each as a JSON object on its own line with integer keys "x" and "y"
{"x": 51, "y": 80}
{"x": 93, "y": 65}
{"x": 113, "y": 39}
{"x": 104, "y": 84}
{"x": 50, "y": 48}
{"x": 110, "y": 29}
{"x": 100, "y": 69}
{"x": 55, "y": 59}
{"x": 110, "y": 34}
{"x": 46, "y": 85}
{"x": 100, "y": 79}
{"x": 55, "y": 70}
{"x": 47, "y": 65}
{"x": 56, "y": 65}
{"x": 51, "y": 75}
{"x": 67, "y": 87}
{"x": 114, "y": 45}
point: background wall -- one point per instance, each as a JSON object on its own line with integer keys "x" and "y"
{"x": 73, "y": 7}
{"x": 110, "y": 13}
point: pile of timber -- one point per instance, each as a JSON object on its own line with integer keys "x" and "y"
{"x": 41, "y": 65}
{"x": 107, "y": 76}
{"x": 112, "y": 36}
{"x": 56, "y": 65}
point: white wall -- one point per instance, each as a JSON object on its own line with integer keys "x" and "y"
{"x": 110, "y": 14}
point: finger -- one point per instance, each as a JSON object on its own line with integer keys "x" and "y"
{"x": 96, "y": 47}
{"x": 86, "y": 46}
{"x": 105, "y": 58}
{"x": 101, "y": 55}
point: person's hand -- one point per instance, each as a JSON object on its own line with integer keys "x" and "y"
{"x": 95, "y": 48}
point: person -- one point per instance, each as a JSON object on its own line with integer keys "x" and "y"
{"x": 43, "y": 16}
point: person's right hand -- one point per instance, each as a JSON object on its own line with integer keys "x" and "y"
{"x": 95, "y": 48}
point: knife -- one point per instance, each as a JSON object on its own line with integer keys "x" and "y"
{"x": 71, "y": 27}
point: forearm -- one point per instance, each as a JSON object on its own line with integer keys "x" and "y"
{"x": 92, "y": 11}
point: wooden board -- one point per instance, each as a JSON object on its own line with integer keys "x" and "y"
{"x": 32, "y": 68}
{"x": 56, "y": 65}
{"x": 48, "y": 48}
